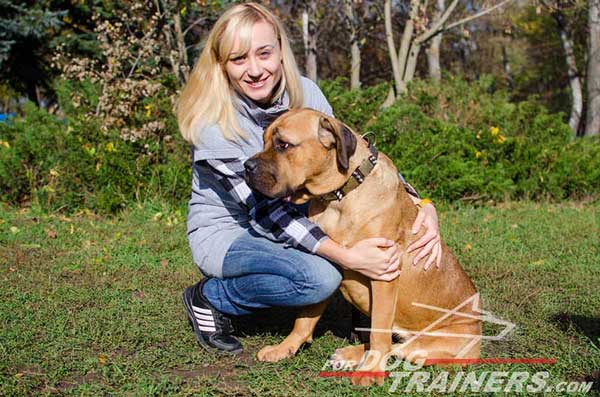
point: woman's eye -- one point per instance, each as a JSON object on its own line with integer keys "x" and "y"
{"x": 265, "y": 55}
{"x": 238, "y": 60}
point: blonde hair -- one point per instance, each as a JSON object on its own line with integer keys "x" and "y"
{"x": 207, "y": 97}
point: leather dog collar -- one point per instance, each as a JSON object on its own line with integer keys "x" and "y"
{"x": 358, "y": 176}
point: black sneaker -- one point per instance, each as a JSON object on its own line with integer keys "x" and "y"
{"x": 213, "y": 329}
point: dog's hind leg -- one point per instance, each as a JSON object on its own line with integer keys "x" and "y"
{"x": 439, "y": 349}
{"x": 301, "y": 333}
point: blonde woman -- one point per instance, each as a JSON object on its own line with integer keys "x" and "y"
{"x": 257, "y": 252}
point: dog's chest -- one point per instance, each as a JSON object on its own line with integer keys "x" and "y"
{"x": 329, "y": 218}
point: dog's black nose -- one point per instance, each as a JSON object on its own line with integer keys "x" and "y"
{"x": 251, "y": 165}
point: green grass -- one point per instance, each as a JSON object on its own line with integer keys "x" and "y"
{"x": 91, "y": 306}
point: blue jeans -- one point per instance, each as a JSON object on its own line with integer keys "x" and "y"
{"x": 259, "y": 273}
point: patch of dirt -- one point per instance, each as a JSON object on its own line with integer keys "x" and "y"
{"x": 72, "y": 382}
{"x": 223, "y": 373}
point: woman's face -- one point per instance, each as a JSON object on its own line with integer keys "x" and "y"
{"x": 256, "y": 73}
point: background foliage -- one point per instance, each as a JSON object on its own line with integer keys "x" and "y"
{"x": 103, "y": 134}
{"x": 455, "y": 141}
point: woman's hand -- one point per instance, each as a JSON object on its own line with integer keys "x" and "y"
{"x": 377, "y": 258}
{"x": 430, "y": 243}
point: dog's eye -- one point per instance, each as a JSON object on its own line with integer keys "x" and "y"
{"x": 282, "y": 146}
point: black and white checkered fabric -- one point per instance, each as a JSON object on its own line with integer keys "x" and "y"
{"x": 275, "y": 219}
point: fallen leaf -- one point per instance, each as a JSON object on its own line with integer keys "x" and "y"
{"x": 52, "y": 234}
{"x": 468, "y": 246}
{"x": 102, "y": 359}
{"x": 19, "y": 375}
{"x": 14, "y": 229}
{"x": 164, "y": 262}
{"x": 157, "y": 216}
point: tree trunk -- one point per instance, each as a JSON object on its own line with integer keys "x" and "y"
{"x": 507, "y": 69}
{"x": 411, "y": 63}
{"x": 574, "y": 81}
{"x": 354, "y": 45}
{"x": 433, "y": 51}
{"x": 389, "y": 34}
{"x": 309, "y": 35}
{"x": 183, "y": 58}
{"x": 592, "y": 126}
{"x": 406, "y": 51}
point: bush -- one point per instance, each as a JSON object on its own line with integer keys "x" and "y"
{"x": 453, "y": 141}
{"x": 69, "y": 164}
{"x": 459, "y": 140}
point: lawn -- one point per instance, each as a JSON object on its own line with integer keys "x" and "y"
{"x": 91, "y": 305}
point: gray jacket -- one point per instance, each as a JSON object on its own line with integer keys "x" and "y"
{"x": 215, "y": 219}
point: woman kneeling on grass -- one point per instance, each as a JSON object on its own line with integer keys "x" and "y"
{"x": 257, "y": 252}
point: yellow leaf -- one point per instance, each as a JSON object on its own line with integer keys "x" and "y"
{"x": 110, "y": 147}
{"x": 53, "y": 172}
{"x": 478, "y": 154}
{"x": 539, "y": 262}
{"x": 14, "y": 229}
{"x": 19, "y": 375}
{"x": 102, "y": 359}
{"x": 494, "y": 131}
{"x": 468, "y": 247}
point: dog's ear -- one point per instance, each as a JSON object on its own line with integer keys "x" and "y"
{"x": 333, "y": 132}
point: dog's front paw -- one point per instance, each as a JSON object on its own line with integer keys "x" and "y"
{"x": 348, "y": 357}
{"x": 367, "y": 379}
{"x": 274, "y": 353}
{"x": 370, "y": 371}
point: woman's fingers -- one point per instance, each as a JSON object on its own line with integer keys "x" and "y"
{"x": 434, "y": 255}
{"x": 426, "y": 250}
{"x": 438, "y": 263}
{"x": 391, "y": 252}
{"x": 394, "y": 264}
{"x": 388, "y": 276}
{"x": 426, "y": 238}
{"x": 417, "y": 225}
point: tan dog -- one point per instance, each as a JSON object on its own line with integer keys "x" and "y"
{"x": 307, "y": 155}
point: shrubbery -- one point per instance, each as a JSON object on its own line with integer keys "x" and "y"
{"x": 70, "y": 163}
{"x": 457, "y": 140}
{"x": 454, "y": 141}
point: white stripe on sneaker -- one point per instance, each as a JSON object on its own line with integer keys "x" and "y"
{"x": 204, "y": 317}
{"x": 201, "y": 310}
{"x": 209, "y": 329}
{"x": 209, "y": 323}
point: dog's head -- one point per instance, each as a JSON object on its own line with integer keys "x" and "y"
{"x": 306, "y": 154}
